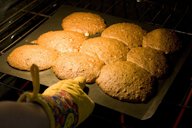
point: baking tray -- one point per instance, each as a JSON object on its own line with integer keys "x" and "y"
{"x": 140, "y": 111}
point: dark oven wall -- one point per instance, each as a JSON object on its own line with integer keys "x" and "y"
{"x": 174, "y": 14}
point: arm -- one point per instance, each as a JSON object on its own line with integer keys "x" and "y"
{"x": 22, "y": 115}
{"x": 64, "y": 104}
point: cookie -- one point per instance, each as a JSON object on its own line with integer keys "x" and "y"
{"x": 126, "y": 81}
{"x": 84, "y": 22}
{"x": 24, "y": 56}
{"x": 128, "y": 33}
{"x": 61, "y": 41}
{"x": 149, "y": 59}
{"x": 106, "y": 49}
{"x": 163, "y": 40}
{"x": 71, "y": 65}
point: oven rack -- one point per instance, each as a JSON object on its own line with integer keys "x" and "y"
{"x": 14, "y": 27}
{"x": 25, "y": 20}
{"x": 173, "y": 14}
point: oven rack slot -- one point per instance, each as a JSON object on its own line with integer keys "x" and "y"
{"x": 21, "y": 23}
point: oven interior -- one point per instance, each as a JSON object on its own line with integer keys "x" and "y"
{"x": 18, "y": 18}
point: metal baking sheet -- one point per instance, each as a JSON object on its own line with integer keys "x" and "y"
{"x": 140, "y": 111}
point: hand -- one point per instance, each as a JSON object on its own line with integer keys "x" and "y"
{"x": 69, "y": 95}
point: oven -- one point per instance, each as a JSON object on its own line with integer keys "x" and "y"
{"x": 19, "y": 18}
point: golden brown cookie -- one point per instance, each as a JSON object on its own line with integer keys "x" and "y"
{"x": 71, "y": 65}
{"x": 61, "y": 41}
{"x": 149, "y": 59}
{"x": 106, "y": 49}
{"x": 126, "y": 81}
{"x": 84, "y": 22}
{"x": 129, "y": 33}
{"x": 163, "y": 40}
{"x": 24, "y": 56}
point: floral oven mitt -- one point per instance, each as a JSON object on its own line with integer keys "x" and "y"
{"x": 66, "y": 104}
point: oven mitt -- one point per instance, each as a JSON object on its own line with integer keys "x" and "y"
{"x": 66, "y": 104}
{"x": 70, "y": 91}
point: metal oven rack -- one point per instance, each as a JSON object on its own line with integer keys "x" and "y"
{"x": 20, "y": 18}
